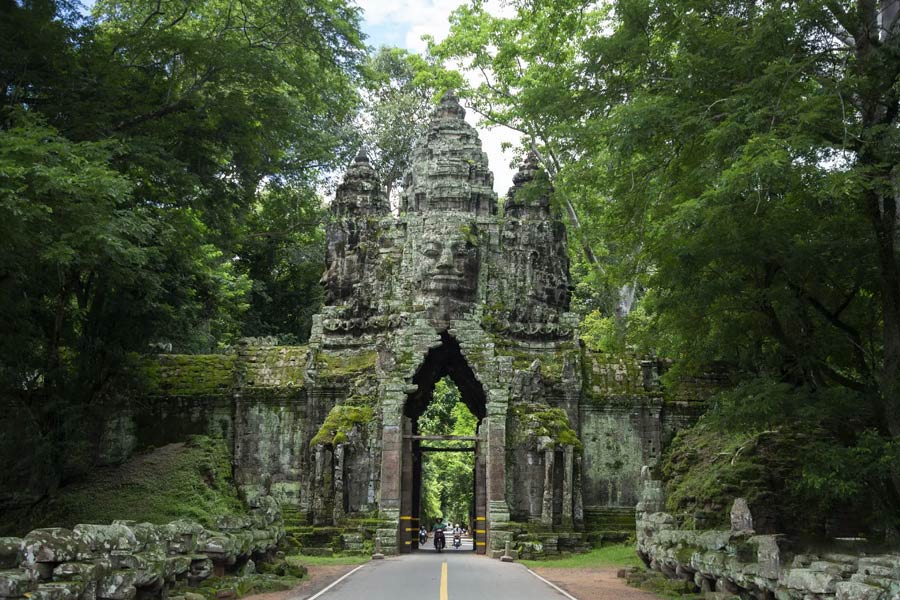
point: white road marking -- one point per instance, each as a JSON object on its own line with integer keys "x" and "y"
{"x": 550, "y": 583}
{"x": 345, "y": 576}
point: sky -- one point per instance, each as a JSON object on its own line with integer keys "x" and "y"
{"x": 402, "y": 23}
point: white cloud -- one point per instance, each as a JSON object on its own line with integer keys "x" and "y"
{"x": 410, "y": 20}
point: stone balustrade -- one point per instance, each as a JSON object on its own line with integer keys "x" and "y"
{"x": 740, "y": 562}
{"x": 128, "y": 560}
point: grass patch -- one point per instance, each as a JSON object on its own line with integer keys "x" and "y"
{"x": 178, "y": 481}
{"x": 615, "y": 555}
{"x": 341, "y": 559}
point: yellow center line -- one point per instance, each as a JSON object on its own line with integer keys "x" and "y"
{"x": 444, "y": 581}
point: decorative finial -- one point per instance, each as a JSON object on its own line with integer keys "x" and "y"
{"x": 449, "y": 106}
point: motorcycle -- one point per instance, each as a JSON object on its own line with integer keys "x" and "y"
{"x": 439, "y": 540}
{"x": 457, "y": 541}
{"x": 423, "y": 537}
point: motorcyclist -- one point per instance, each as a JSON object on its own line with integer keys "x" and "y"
{"x": 439, "y": 540}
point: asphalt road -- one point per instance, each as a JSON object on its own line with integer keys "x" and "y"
{"x": 452, "y": 574}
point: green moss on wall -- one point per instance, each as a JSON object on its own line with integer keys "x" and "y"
{"x": 192, "y": 480}
{"x": 340, "y": 423}
{"x": 345, "y": 365}
{"x": 538, "y": 420}
{"x": 275, "y": 366}
{"x": 553, "y": 363}
{"x": 706, "y": 468}
{"x": 186, "y": 374}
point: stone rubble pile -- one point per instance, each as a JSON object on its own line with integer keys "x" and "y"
{"x": 128, "y": 560}
{"x": 742, "y": 563}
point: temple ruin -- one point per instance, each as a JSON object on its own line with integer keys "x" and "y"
{"x": 455, "y": 285}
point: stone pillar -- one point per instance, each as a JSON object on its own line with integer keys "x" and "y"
{"x": 578, "y": 508}
{"x": 568, "y": 473}
{"x": 338, "y": 510}
{"x": 495, "y": 436}
{"x": 391, "y": 462}
{"x": 547, "y": 504}
{"x": 480, "y": 524}
{"x": 404, "y": 535}
{"x": 391, "y": 450}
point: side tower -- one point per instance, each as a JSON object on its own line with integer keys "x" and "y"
{"x": 448, "y": 288}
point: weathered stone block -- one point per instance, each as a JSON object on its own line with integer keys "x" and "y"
{"x": 67, "y": 590}
{"x": 15, "y": 584}
{"x": 52, "y": 545}
{"x": 76, "y": 571}
{"x": 101, "y": 539}
{"x": 118, "y": 585}
{"x": 816, "y": 582}
{"x": 852, "y": 590}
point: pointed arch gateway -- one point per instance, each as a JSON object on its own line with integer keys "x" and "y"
{"x": 445, "y": 360}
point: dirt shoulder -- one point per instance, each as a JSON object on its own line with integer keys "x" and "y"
{"x": 318, "y": 578}
{"x": 593, "y": 583}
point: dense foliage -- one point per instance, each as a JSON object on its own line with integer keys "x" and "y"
{"x": 735, "y": 163}
{"x": 448, "y": 483}
{"x": 158, "y": 172}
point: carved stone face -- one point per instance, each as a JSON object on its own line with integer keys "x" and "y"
{"x": 447, "y": 270}
{"x": 450, "y": 267}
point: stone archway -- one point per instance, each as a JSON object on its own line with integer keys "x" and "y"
{"x": 445, "y": 360}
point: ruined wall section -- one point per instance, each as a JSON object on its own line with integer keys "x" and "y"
{"x": 740, "y": 563}
{"x": 627, "y": 417}
{"x": 253, "y": 396}
{"x": 127, "y": 560}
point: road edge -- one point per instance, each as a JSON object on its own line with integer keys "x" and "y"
{"x": 548, "y": 582}
{"x": 337, "y": 581}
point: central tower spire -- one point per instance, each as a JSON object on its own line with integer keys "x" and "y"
{"x": 448, "y": 171}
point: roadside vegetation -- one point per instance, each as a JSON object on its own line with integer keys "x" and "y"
{"x": 614, "y": 555}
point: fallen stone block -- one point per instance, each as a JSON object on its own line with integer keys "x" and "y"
{"x": 51, "y": 545}
{"x": 852, "y": 590}
{"x": 15, "y": 583}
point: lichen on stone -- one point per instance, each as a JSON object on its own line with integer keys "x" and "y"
{"x": 542, "y": 422}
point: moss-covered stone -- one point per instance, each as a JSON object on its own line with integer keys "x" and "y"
{"x": 339, "y": 424}
{"x": 333, "y": 365}
{"x": 706, "y": 468}
{"x": 540, "y": 421}
{"x": 186, "y": 374}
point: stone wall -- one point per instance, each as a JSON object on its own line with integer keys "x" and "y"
{"x": 627, "y": 417}
{"x": 128, "y": 560}
{"x": 253, "y": 396}
{"x": 739, "y": 562}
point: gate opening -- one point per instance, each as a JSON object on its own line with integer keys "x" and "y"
{"x": 444, "y": 466}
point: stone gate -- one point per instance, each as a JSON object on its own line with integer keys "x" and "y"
{"x": 453, "y": 285}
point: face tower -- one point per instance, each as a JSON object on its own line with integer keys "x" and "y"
{"x": 457, "y": 286}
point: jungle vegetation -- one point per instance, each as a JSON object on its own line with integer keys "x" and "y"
{"x": 728, "y": 170}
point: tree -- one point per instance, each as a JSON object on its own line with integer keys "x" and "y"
{"x": 397, "y": 107}
{"x": 145, "y": 154}
{"x": 739, "y": 158}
